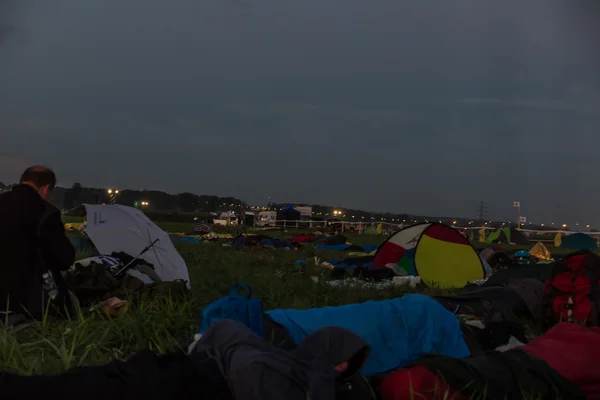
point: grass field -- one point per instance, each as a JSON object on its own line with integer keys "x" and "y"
{"x": 164, "y": 326}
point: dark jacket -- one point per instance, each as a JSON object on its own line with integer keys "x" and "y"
{"x": 25, "y": 240}
{"x": 255, "y": 370}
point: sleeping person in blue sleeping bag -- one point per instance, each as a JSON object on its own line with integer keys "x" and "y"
{"x": 398, "y": 331}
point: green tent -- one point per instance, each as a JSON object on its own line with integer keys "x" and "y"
{"x": 507, "y": 235}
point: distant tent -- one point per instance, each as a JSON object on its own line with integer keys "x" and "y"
{"x": 507, "y": 235}
{"x": 437, "y": 253}
{"x": 557, "y": 240}
{"x": 482, "y": 235}
{"x": 289, "y": 213}
{"x": 578, "y": 241}
{"x": 370, "y": 230}
{"x": 540, "y": 252}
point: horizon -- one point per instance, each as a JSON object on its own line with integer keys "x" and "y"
{"x": 424, "y": 217}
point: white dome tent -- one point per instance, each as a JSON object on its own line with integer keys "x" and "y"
{"x": 115, "y": 228}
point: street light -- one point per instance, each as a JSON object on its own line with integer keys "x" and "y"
{"x": 145, "y": 203}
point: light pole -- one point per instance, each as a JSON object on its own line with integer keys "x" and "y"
{"x": 112, "y": 195}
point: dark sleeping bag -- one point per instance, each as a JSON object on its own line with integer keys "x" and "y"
{"x": 521, "y": 298}
{"x": 498, "y": 376}
{"x": 145, "y": 376}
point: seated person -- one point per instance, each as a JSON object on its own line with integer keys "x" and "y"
{"x": 32, "y": 242}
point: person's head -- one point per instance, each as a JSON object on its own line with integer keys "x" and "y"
{"x": 42, "y": 179}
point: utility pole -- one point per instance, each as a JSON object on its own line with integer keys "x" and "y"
{"x": 481, "y": 211}
{"x": 517, "y": 205}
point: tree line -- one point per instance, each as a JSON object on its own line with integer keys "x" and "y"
{"x": 152, "y": 200}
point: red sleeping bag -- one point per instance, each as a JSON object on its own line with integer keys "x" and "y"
{"x": 572, "y": 350}
{"x": 303, "y": 238}
{"x": 416, "y": 383}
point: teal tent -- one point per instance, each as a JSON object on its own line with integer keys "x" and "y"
{"x": 578, "y": 241}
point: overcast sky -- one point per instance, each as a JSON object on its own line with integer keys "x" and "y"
{"x": 422, "y": 106}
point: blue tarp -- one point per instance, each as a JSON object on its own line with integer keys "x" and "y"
{"x": 190, "y": 239}
{"x": 399, "y": 330}
{"x": 274, "y": 243}
{"x": 290, "y": 209}
{"x": 367, "y": 248}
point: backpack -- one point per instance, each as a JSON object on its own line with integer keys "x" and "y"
{"x": 572, "y": 291}
{"x": 245, "y": 309}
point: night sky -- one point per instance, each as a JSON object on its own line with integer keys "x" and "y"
{"x": 423, "y": 107}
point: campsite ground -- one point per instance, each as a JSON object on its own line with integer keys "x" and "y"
{"x": 91, "y": 339}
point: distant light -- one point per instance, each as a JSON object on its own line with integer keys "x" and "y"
{"x": 109, "y": 191}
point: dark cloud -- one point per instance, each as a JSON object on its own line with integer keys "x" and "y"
{"x": 424, "y": 107}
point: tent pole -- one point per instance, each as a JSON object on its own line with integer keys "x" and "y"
{"x": 136, "y": 257}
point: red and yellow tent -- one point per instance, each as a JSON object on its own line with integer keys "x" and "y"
{"x": 438, "y": 253}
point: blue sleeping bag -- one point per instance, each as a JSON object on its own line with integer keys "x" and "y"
{"x": 399, "y": 330}
{"x": 367, "y": 248}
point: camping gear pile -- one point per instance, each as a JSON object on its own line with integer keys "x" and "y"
{"x": 526, "y": 285}
{"x": 427, "y": 347}
{"x": 96, "y": 279}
